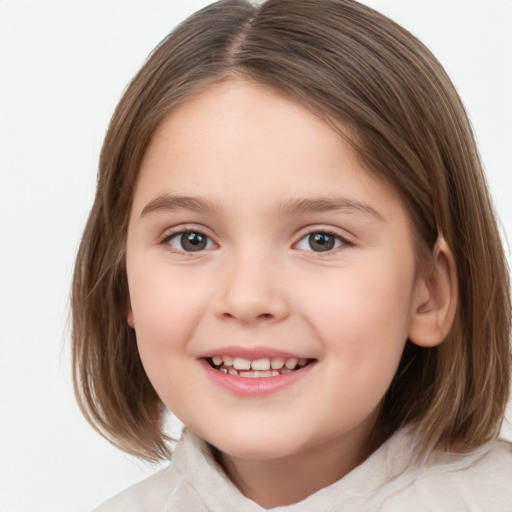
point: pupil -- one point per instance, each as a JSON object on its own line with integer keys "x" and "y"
{"x": 193, "y": 241}
{"x": 321, "y": 242}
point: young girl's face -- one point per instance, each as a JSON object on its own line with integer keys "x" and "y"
{"x": 256, "y": 238}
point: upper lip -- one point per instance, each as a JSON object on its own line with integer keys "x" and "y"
{"x": 251, "y": 353}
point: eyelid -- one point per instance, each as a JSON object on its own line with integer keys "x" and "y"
{"x": 170, "y": 233}
{"x": 346, "y": 240}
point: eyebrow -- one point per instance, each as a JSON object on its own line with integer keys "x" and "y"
{"x": 168, "y": 202}
{"x": 329, "y": 204}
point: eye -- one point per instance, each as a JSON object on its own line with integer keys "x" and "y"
{"x": 190, "y": 241}
{"x": 319, "y": 241}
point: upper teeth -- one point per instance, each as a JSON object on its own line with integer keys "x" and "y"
{"x": 262, "y": 364}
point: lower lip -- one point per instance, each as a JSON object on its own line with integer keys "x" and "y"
{"x": 254, "y": 386}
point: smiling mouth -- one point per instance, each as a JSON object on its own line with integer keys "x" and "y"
{"x": 257, "y": 368}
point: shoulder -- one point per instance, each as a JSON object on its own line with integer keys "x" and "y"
{"x": 173, "y": 488}
{"x": 478, "y": 480}
{"x": 149, "y": 494}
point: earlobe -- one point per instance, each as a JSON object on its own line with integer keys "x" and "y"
{"x": 129, "y": 315}
{"x": 435, "y": 299}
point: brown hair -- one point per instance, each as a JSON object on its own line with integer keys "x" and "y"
{"x": 349, "y": 65}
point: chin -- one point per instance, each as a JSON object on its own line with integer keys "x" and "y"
{"x": 255, "y": 445}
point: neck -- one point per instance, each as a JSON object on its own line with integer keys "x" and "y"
{"x": 287, "y": 480}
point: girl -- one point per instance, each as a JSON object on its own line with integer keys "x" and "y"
{"x": 292, "y": 248}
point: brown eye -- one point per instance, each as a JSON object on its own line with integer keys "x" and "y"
{"x": 191, "y": 241}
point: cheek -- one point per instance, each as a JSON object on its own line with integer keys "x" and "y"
{"x": 361, "y": 317}
{"x": 165, "y": 313}
{"x": 360, "y": 302}
{"x": 164, "y": 319}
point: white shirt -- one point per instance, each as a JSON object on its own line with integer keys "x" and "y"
{"x": 390, "y": 480}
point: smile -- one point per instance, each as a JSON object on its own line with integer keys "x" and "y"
{"x": 256, "y": 368}
{"x": 255, "y": 371}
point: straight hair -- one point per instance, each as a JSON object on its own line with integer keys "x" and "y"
{"x": 354, "y": 68}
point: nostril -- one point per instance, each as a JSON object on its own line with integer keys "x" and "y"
{"x": 250, "y": 307}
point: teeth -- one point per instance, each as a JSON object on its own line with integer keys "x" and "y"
{"x": 241, "y": 364}
{"x": 261, "y": 364}
{"x": 277, "y": 363}
{"x": 263, "y": 367}
{"x": 291, "y": 363}
{"x": 259, "y": 374}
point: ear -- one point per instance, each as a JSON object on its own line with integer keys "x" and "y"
{"x": 129, "y": 314}
{"x": 435, "y": 299}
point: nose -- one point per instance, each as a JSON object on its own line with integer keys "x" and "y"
{"x": 252, "y": 292}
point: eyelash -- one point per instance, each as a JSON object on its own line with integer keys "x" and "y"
{"x": 339, "y": 241}
{"x": 168, "y": 237}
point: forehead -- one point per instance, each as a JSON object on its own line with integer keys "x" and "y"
{"x": 245, "y": 142}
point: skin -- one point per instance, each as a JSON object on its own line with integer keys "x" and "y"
{"x": 251, "y": 155}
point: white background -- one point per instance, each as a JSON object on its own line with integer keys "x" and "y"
{"x": 63, "y": 67}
